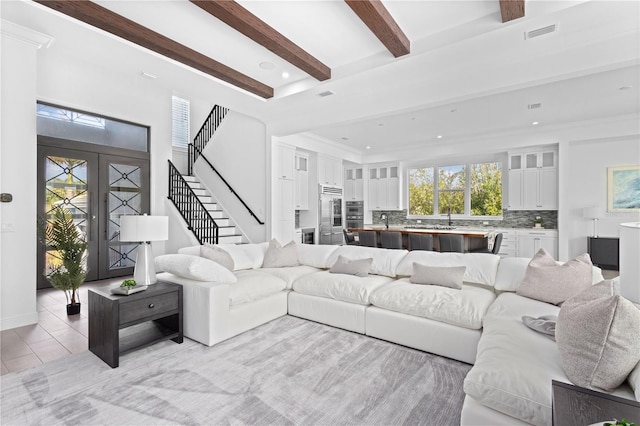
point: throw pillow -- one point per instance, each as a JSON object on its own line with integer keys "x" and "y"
{"x": 357, "y": 267}
{"x": 597, "y": 336}
{"x": 438, "y": 275}
{"x": 218, "y": 255}
{"x": 278, "y": 256}
{"x": 548, "y": 282}
{"x": 194, "y": 268}
{"x": 545, "y": 324}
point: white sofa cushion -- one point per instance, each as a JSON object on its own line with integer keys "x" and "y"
{"x": 246, "y": 256}
{"x": 218, "y": 255}
{"x": 290, "y": 274}
{"x": 515, "y": 365}
{"x": 464, "y": 308}
{"x": 445, "y": 276}
{"x": 511, "y": 271}
{"x": 347, "y": 288}
{"x": 190, "y": 250}
{"x": 194, "y": 268}
{"x": 385, "y": 261}
{"x": 634, "y": 381}
{"x": 481, "y": 267}
{"x": 253, "y": 285}
{"x": 316, "y": 255}
{"x": 357, "y": 267}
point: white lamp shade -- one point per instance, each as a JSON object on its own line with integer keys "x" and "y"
{"x": 593, "y": 212}
{"x": 144, "y": 228}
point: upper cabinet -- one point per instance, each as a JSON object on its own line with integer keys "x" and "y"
{"x": 286, "y": 162}
{"x": 533, "y": 180}
{"x": 354, "y": 184}
{"x": 302, "y": 182}
{"x": 384, "y": 188}
{"x": 329, "y": 171}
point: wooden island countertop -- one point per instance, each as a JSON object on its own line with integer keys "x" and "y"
{"x": 464, "y": 232}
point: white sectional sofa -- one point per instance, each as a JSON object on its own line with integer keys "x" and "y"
{"x": 479, "y": 324}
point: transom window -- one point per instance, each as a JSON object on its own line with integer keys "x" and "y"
{"x": 473, "y": 190}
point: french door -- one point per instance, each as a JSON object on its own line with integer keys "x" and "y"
{"x": 96, "y": 188}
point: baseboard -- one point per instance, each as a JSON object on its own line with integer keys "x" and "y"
{"x": 19, "y": 321}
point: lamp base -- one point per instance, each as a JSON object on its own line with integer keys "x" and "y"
{"x": 144, "y": 272}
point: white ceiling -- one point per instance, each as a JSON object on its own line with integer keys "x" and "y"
{"x": 467, "y": 74}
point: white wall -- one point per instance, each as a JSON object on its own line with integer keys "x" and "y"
{"x": 18, "y": 244}
{"x": 238, "y": 152}
{"x": 584, "y": 176}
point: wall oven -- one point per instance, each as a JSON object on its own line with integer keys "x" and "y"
{"x": 354, "y": 214}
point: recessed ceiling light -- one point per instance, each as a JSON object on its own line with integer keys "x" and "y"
{"x": 285, "y": 74}
{"x": 439, "y": 136}
{"x": 368, "y": 147}
{"x": 626, "y": 88}
{"x": 266, "y": 65}
{"x": 149, "y": 75}
{"x": 535, "y": 123}
{"x": 326, "y": 93}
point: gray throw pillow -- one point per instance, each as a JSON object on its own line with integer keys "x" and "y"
{"x": 598, "y": 337}
{"x": 218, "y": 255}
{"x": 278, "y": 256}
{"x": 444, "y": 276}
{"x": 545, "y": 324}
{"x": 549, "y": 282}
{"x": 357, "y": 267}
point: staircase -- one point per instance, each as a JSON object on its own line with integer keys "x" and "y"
{"x": 203, "y": 215}
{"x": 227, "y": 233}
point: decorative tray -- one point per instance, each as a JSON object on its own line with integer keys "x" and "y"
{"x": 128, "y": 290}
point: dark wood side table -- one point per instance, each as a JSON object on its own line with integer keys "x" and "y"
{"x": 576, "y": 406}
{"x": 604, "y": 252}
{"x": 119, "y": 324}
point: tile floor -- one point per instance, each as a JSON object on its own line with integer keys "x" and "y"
{"x": 56, "y": 334}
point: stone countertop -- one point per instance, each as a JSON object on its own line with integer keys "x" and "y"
{"x": 463, "y": 232}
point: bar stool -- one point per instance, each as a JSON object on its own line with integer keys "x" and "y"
{"x": 349, "y": 238}
{"x": 451, "y": 243}
{"x": 497, "y": 242}
{"x": 391, "y": 240}
{"x": 421, "y": 242}
{"x": 368, "y": 238}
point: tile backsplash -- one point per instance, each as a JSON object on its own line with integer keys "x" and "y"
{"x": 510, "y": 219}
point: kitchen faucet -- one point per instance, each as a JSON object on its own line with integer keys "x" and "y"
{"x": 386, "y": 220}
{"x": 450, "y": 222}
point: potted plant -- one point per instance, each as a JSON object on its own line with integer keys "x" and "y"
{"x": 69, "y": 271}
{"x": 537, "y": 222}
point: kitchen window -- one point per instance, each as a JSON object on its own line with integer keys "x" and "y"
{"x": 466, "y": 190}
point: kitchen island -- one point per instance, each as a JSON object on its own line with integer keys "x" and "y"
{"x": 473, "y": 239}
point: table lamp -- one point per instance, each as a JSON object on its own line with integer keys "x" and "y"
{"x": 594, "y": 213}
{"x": 144, "y": 229}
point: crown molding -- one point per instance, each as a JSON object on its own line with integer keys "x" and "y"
{"x": 25, "y": 35}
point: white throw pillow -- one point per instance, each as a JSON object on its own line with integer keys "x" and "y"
{"x": 385, "y": 261}
{"x": 194, "y": 268}
{"x": 357, "y": 267}
{"x": 316, "y": 255}
{"x": 549, "y": 282}
{"x": 598, "y": 337}
{"x": 481, "y": 267}
{"x": 218, "y": 255}
{"x": 445, "y": 276}
{"x": 278, "y": 256}
{"x": 246, "y": 256}
{"x": 634, "y": 380}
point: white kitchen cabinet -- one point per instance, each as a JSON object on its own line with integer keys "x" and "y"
{"x": 384, "y": 188}
{"x": 529, "y": 242}
{"x": 330, "y": 171}
{"x": 509, "y": 245}
{"x": 302, "y": 182}
{"x": 284, "y": 223}
{"x": 286, "y": 162}
{"x": 354, "y": 184}
{"x": 533, "y": 181}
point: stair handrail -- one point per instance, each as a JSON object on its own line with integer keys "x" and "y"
{"x": 208, "y": 128}
{"x": 200, "y": 154}
{"x": 197, "y": 215}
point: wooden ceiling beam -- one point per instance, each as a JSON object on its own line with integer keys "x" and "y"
{"x": 100, "y": 17}
{"x": 511, "y": 9}
{"x": 381, "y": 23}
{"x": 243, "y": 21}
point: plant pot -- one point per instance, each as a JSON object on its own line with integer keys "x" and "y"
{"x": 73, "y": 309}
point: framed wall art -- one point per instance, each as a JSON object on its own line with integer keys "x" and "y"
{"x": 623, "y": 189}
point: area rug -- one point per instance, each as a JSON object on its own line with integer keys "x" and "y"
{"x": 287, "y": 372}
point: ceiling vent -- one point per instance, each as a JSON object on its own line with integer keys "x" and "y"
{"x": 326, "y": 93}
{"x": 534, "y": 106}
{"x": 540, "y": 31}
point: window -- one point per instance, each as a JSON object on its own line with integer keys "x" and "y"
{"x": 181, "y": 120}
{"x": 74, "y": 117}
{"x": 467, "y": 189}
